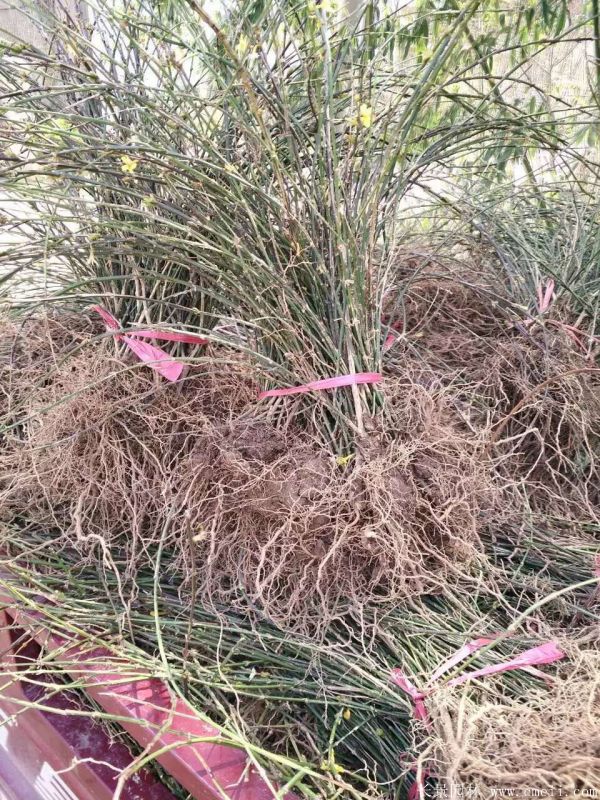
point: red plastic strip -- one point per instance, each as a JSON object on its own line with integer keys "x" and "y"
{"x": 156, "y": 358}
{"x": 545, "y": 297}
{"x": 417, "y": 790}
{"x": 169, "y": 336}
{"x": 543, "y": 654}
{"x": 327, "y": 383}
{"x": 389, "y": 341}
{"x": 401, "y": 680}
{"x": 109, "y": 320}
{"x": 465, "y": 650}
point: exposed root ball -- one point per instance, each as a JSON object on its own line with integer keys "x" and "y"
{"x": 305, "y": 537}
{"x": 95, "y": 456}
{"x": 31, "y": 349}
{"x": 249, "y": 515}
{"x": 549, "y": 743}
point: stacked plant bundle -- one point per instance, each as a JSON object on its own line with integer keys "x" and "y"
{"x": 318, "y": 430}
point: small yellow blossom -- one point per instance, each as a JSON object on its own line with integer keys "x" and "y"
{"x": 231, "y": 169}
{"x": 128, "y": 164}
{"x": 241, "y": 48}
{"x": 342, "y": 461}
{"x": 347, "y": 714}
{"x": 323, "y": 6}
{"x": 365, "y": 114}
{"x": 331, "y": 766}
{"x": 148, "y": 201}
{"x": 327, "y": 6}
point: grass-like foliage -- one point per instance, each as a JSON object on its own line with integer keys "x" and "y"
{"x": 247, "y": 170}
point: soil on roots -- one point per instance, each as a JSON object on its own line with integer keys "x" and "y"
{"x": 306, "y": 538}
{"x": 247, "y": 514}
{"x": 481, "y": 425}
{"x": 532, "y": 391}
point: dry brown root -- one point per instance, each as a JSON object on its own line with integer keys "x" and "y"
{"x": 280, "y": 523}
{"x": 534, "y": 385}
{"x": 95, "y": 455}
{"x": 549, "y": 742}
{"x": 32, "y": 348}
{"x": 256, "y": 516}
{"x": 247, "y": 514}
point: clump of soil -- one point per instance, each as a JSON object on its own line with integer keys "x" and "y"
{"x": 549, "y": 743}
{"x": 533, "y": 390}
{"x": 306, "y": 537}
{"x": 249, "y": 515}
{"x": 482, "y": 423}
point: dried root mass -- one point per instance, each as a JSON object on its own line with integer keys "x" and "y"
{"x": 550, "y": 744}
{"x": 250, "y": 515}
{"x": 253, "y": 515}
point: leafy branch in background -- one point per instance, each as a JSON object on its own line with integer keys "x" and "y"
{"x": 249, "y": 172}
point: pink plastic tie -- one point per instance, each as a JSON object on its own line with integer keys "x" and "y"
{"x": 389, "y": 341}
{"x": 417, "y": 790}
{"x": 401, "y": 680}
{"x": 545, "y": 297}
{"x": 466, "y": 650}
{"x": 156, "y": 358}
{"x": 327, "y": 383}
{"x": 543, "y": 654}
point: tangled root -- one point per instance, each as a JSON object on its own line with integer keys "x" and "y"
{"x": 95, "y": 456}
{"x": 263, "y": 517}
{"x": 533, "y": 388}
{"x": 305, "y": 537}
{"x": 250, "y": 515}
{"x": 551, "y": 743}
{"x": 32, "y": 349}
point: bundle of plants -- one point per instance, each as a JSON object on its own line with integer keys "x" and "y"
{"x": 430, "y": 423}
{"x": 243, "y": 178}
{"x": 252, "y": 513}
{"x": 330, "y": 716}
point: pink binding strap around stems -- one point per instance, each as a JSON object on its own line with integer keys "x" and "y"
{"x": 545, "y": 653}
{"x": 327, "y": 383}
{"x": 544, "y": 297}
{"x": 156, "y": 358}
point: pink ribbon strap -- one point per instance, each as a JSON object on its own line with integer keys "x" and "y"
{"x": 156, "y": 358}
{"x": 544, "y": 297}
{"x": 418, "y": 787}
{"x": 401, "y": 680}
{"x": 327, "y": 383}
{"x": 465, "y": 650}
{"x": 543, "y": 654}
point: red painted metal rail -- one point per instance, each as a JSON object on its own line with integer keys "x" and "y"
{"x": 147, "y": 709}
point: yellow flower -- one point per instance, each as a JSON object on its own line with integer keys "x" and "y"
{"x": 148, "y": 201}
{"x": 331, "y": 766}
{"x": 347, "y": 713}
{"x": 128, "y": 164}
{"x": 365, "y": 115}
{"x": 241, "y": 48}
{"x": 342, "y": 461}
{"x": 327, "y": 6}
{"x": 231, "y": 169}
